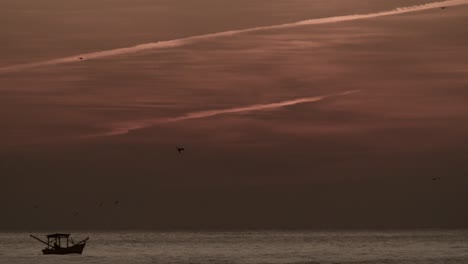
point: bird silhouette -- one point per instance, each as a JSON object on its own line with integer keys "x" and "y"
{"x": 443, "y": 7}
{"x": 36, "y": 206}
{"x": 117, "y": 203}
{"x": 76, "y": 213}
{"x": 179, "y": 149}
{"x": 81, "y": 58}
{"x": 436, "y": 178}
{"x": 101, "y": 204}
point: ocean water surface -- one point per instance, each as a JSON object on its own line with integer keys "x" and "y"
{"x": 251, "y": 247}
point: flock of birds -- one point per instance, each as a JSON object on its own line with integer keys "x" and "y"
{"x": 116, "y": 202}
{"x": 179, "y": 150}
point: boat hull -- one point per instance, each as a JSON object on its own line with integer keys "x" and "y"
{"x": 76, "y": 249}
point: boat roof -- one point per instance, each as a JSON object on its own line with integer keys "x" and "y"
{"x": 57, "y": 235}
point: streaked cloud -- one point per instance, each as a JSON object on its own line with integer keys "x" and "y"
{"x": 124, "y": 128}
{"x": 189, "y": 40}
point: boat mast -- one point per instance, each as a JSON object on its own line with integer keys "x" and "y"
{"x": 42, "y": 241}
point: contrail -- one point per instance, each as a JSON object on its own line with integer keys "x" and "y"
{"x": 194, "y": 39}
{"x": 126, "y": 127}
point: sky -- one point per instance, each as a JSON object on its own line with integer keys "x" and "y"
{"x": 288, "y": 121}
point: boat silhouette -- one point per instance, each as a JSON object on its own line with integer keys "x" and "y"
{"x": 61, "y": 244}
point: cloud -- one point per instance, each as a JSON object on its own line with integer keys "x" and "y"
{"x": 126, "y": 127}
{"x": 189, "y": 40}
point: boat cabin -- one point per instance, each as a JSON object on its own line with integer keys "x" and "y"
{"x": 56, "y": 240}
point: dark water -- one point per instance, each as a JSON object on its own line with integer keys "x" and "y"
{"x": 403, "y": 247}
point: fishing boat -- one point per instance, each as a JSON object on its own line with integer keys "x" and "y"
{"x": 61, "y": 244}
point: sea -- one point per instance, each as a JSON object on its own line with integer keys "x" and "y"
{"x": 250, "y": 247}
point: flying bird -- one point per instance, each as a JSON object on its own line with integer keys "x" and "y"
{"x": 81, "y": 58}
{"x": 36, "y": 206}
{"x": 179, "y": 149}
{"x": 101, "y": 204}
{"x": 443, "y": 7}
{"x": 116, "y": 203}
{"x": 436, "y": 178}
{"x": 75, "y": 213}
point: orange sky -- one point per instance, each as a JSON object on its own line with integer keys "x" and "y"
{"x": 271, "y": 140}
